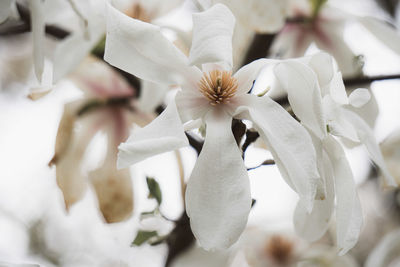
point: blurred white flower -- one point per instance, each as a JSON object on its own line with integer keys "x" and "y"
{"x": 387, "y": 252}
{"x": 326, "y": 29}
{"x": 218, "y": 195}
{"x": 97, "y": 112}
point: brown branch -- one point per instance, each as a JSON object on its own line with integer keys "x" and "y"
{"x": 259, "y": 47}
{"x": 265, "y": 162}
{"x": 369, "y": 79}
{"x": 195, "y": 142}
{"x": 251, "y": 137}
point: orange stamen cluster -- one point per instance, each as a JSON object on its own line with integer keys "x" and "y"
{"x": 218, "y": 86}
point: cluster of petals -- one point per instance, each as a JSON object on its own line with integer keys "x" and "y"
{"x": 318, "y": 98}
{"x": 218, "y": 198}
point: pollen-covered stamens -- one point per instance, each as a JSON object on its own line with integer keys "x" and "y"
{"x": 218, "y": 86}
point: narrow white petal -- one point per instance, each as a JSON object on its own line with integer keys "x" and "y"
{"x": 289, "y": 143}
{"x": 212, "y": 37}
{"x": 151, "y": 95}
{"x": 218, "y": 197}
{"x": 38, "y": 24}
{"x": 385, "y": 33}
{"x": 349, "y": 218}
{"x": 366, "y": 136}
{"x": 386, "y": 251}
{"x": 322, "y": 65}
{"x": 159, "y": 8}
{"x": 191, "y": 105}
{"x": 359, "y": 97}
{"x": 248, "y": 74}
{"x": 163, "y": 134}
{"x": 5, "y": 8}
{"x": 313, "y": 226}
{"x": 301, "y": 85}
{"x": 337, "y": 89}
{"x": 140, "y": 49}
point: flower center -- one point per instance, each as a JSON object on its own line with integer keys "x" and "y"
{"x": 218, "y": 86}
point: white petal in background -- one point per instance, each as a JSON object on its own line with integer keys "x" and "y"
{"x": 140, "y": 49}
{"x": 212, "y": 37}
{"x": 38, "y": 24}
{"x": 366, "y": 136}
{"x": 359, "y": 97}
{"x": 5, "y": 8}
{"x": 164, "y": 134}
{"x": 218, "y": 196}
{"x": 386, "y": 252}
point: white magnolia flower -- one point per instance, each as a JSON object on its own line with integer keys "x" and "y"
{"x": 81, "y": 120}
{"x": 387, "y": 252}
{"x": 326, "y": 30}
{"x": 318, "y": 98}
{"x": 218, "y": 193}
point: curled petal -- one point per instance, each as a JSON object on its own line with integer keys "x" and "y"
{"x": 164, "y": 134}
{"x": 141, "y": 49}
{"x": 248, "y": 74}
{"x": 212, "y": 37}
{"x": 348, "y": 208}
{"x": 337, "y": 90}
{"x": 359, "y": 97}
{"x": 322, "y": 65}
{"x": 366, "y": 136}
{"x": 301, "y": 85}
{"x": 218, "y": 197}
{"x": 289, "y": 143}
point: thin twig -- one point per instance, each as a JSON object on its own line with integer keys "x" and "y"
{"x": 266, "y": 162}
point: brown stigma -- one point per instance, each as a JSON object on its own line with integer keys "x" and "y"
{"x": 138, "y": 12}
{"x": 218, "y": 86}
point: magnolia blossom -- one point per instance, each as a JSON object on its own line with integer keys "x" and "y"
{"x": 218, "y": 197}
{"x": 326, "y": 30}
{"x": 318, "y": 98}
{"x": 81, "y": 120}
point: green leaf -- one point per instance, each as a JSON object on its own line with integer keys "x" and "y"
{"x": 143, "y": 236}
{"x": 316, "y": 6}
{"x": 154, "y": 190}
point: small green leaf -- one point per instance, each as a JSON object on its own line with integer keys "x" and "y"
{"x": 154, "y": 190}
{"x": 316, "y": 6}
{"x": 143, "y": 236}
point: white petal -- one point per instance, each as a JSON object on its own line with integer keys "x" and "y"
{"x": 386, "y": 251}
{"x": 218, "y": 197}
{"x": 366, "y": 136}
{"x": 332, "y": 41}
{"x": 71, "y": 51}
{"x": 267, "y": 16}
{"x": 313, "y": 226}
{"x": 163, "y": 134}
{"x": 359, "y": 97}
{"x": 289, "y": 143}
{"x": 385, "y": 33}
{"x": 140, "y": 49}
{"x": 348, "y": 209}
{"x": 322, "y": 65}
{"x": 38, "y": 24}
{"x": 248, "y": 74}
{"x": 212, "y": 37}
{"x": 151, "y": 95}
{"x": 301, "y": 85}
{"x": 5, "y": 8}
{"x": 337, "y": 89}
{"x": 192, "y": 105}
